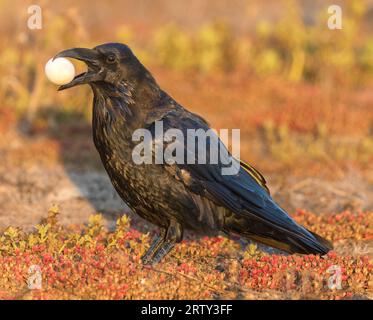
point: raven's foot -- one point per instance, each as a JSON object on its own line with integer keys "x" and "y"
{"x": 161, "y": 252}
{"x": 163, "y": 244}
{"x": 156, "y": 243}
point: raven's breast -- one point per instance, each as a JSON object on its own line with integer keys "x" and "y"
{"x": 148, "y": 189}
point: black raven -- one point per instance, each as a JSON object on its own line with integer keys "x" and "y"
{"x": 175, "y": 196}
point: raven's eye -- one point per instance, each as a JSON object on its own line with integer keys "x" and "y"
{"x": 111, "y": 58}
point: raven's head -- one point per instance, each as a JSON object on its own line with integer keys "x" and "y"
{"x": 110, "y": 63}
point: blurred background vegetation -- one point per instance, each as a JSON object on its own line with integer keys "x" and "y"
{"x": 271, "y": 66}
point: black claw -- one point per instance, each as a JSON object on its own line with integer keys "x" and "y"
{"x": 161, "y": 252}
{"x": 156, "y": 243}
{"x": 163, "y": 244}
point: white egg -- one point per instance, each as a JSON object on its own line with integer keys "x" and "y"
{"x": 59, "y": 71}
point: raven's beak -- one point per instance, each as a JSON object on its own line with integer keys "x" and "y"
{"x": 91, "y": 58}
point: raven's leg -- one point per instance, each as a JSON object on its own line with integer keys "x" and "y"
{"x": 174, "y": 235}
{"x": 156, "y": 243}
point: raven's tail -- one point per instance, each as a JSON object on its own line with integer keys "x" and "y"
{"x": 284, "y": 234}
{"x": 326, "y": 245}
{"x": 295, "y": 244}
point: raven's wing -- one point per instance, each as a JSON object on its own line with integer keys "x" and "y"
{"x": 244, "y": 193}
{"x": 254, "y": 173}
{"x": 244, "y": 190}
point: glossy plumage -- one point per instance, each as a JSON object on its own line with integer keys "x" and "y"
{"x": 178, "y": 196}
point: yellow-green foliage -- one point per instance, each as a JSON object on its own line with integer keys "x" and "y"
{"x": 268, "y": 62}
{"x": 366, "y": 56}
{"x": 319, "y": 145}
{"x": 215, "y": 47}
{"x": 282, "y": 144}
{"x": 210, "y": 49}
{"x": 287, "y": 47}
{"x": 173, "y": 48}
